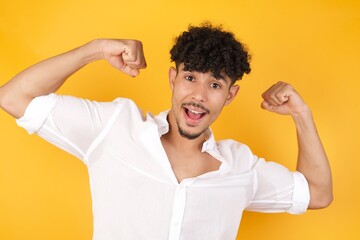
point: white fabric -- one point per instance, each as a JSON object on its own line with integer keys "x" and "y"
{"x": 135, "y": 193}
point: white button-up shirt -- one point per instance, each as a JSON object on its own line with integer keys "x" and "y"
{"x": 135, "y": 193}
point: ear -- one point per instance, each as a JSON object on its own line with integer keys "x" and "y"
{"x": 172, "y": 77}
{"x": 232, "y": 94}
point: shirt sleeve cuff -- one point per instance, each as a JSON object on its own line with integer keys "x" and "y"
{"x": 37, "y": 112}
{"x": 301, "y": 194}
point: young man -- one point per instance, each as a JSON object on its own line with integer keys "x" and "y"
{"x": 165, "y": 176}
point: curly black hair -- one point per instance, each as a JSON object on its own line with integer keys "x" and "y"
{"x": 208, "y": 48}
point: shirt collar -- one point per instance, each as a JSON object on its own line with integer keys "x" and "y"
{"x": 162, "y": 123}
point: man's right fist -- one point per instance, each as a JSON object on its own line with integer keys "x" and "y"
{"x": 123, "y": 54}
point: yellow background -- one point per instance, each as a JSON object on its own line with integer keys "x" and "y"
{"x": 44, "y": 192}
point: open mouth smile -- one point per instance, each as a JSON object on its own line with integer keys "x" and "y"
{"x": 194, "y": 112}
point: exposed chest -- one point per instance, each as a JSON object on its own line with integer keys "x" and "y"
{"x": 186, "y": 165}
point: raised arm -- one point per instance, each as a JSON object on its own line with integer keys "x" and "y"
{"x": 282, "y": 98}
{"x": 47, "y": 76}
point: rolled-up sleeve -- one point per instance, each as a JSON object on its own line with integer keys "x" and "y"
{"x": 278, "y": 190}
{"x": 37, "y": 112}
{"x": 301, "y": 194}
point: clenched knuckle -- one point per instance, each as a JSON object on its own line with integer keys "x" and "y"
{"x": 278, "y": 95}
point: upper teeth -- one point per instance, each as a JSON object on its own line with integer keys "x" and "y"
{"x": 195, "y": 112}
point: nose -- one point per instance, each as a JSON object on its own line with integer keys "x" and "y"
{"x": 199, "y": 93}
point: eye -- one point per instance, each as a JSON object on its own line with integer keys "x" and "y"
{"x": 189, "y": 78}
{"x": 215, "y": 85}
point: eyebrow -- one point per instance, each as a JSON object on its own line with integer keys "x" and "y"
{"x": 221, "y": 77}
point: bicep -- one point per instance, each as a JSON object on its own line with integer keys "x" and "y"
{"x": 12, "y": 101}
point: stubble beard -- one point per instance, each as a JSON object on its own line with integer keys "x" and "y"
{"x": 187, "y": 135}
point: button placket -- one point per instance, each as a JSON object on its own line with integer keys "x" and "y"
{"x": 178, "y": 209}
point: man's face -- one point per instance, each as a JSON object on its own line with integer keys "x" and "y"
{"x": 198, "y": 99}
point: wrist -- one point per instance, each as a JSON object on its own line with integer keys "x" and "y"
{"x": 92, "y": 51}
{"x": 303, "y": 118}
{"x": 302, "y": 112}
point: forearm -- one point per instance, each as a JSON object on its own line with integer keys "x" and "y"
{"x": 312, "y": 161}
{"x": 45, "y": 77}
